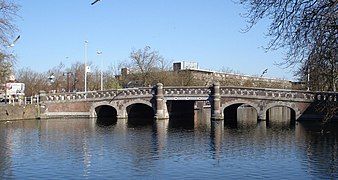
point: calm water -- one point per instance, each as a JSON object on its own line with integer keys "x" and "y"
{"x": 81, "y": 149}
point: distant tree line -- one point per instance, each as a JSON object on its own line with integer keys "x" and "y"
{"x": 64, "y": 79}
{"x": 145, "y": 68}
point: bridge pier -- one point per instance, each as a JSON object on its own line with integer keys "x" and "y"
{"x": 216, "y": 113}
{"x": 160, "y": 104}
{"x": 261, "y": 116}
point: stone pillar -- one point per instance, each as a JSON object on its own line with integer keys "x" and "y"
{"x": 161, "y": 134}
{"x": 262, "y": 115}
{"x": 41, "y": 107}
{"x": 160, "y": 105}
{"x": 122, "y": 124}
{"x": 215, "y": 97}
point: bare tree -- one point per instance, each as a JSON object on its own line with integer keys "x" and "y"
{"x": 307, "y": 29}
{"x": 110, "y": 80}
{"x": 34, "y": 81}
{"x": 144, "y": 63}
{"x": 8, "y": 15}
{"x": 8, "y": 11}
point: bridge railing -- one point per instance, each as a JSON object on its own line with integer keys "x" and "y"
{"x": 200, "y": 91}
{"x": 194, "y": 90}
{"x": 22, "y": 101}
{"x": 113, "y": 93}
{"x": 279, "y": 93}
{"x": 252, "y": 92}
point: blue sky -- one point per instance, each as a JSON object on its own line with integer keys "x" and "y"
{"x": 207, "y": 32}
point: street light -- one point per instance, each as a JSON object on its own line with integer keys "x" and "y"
{"x": 101, "y": 78}
{"x": 85, "y": 64}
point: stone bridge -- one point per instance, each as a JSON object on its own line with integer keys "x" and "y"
{"x": 163, "y": 102}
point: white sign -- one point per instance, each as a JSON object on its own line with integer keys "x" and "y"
{"x": 88, "y": 69}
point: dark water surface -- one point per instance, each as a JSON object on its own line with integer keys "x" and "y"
{"x": 81, "y": 149}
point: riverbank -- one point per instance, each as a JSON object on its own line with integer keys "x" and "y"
{"x": 8, "y": 112}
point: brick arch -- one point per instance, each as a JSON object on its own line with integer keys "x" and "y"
{"x": 290, "y": 105}
{"x": 102, "y": 103}
{"x": 239, "y": 101}
{"x": 136, "y": 101}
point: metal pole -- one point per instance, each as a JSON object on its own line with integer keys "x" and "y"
{"x": 101, "y": 76}
{"x": 85, "y": 63}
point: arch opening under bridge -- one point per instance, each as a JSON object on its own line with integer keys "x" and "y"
{"x": 106, "y": 115}
{"x": 240, "y": 114}
{"x": 140, "y": 114}
{"x": 280, "y": 115}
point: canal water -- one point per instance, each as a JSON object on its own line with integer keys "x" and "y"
{"x": 83, "y": 149}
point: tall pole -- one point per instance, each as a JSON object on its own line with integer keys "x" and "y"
{"x": 85, "y": 64}
{"x": 101, "y": 78}
{"x": 308, "y": 77}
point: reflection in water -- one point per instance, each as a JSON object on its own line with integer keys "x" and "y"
{"x": 160, "y": 134}
{"x": 320, "y": 148}
{"x": 139, "y": 122}
{"x": 80, "y": 148}
{"x": 184, "y": 123}
{"x": 6, "y": 139}
{"x": 216, "y": 135}
{"x": 106, "y": 121}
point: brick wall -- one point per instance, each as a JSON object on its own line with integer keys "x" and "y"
{"x": 18, "y": 112}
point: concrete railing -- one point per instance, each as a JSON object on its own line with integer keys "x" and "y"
{"x": 107, "y": 94}
{"x": 22, "y": 101}
{"x": 189, "y": 91}
{"x": 278, "y": 94}
{"x": 197, "y": 91}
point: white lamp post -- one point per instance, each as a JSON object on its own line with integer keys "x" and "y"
{"x": 101, "y": 78}
{"x": 85, "y": 64}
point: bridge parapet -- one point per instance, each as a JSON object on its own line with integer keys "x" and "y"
{"x": 65, "y": 96}
{"x": 276, "y": 94}
{"x": 196, "y": 90}
{"x": 326, "y": 96}
{"x": 108, "y": 94}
